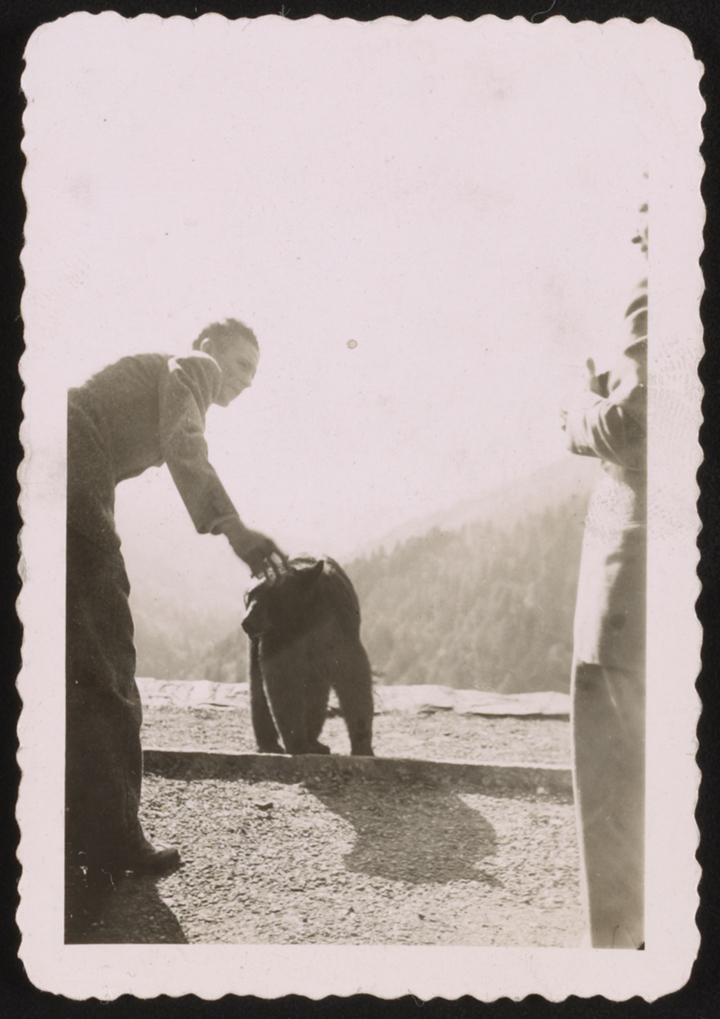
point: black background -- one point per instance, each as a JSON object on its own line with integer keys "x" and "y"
{"x": 700, "y": 999}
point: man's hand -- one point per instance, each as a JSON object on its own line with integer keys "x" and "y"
{"x": 258, "y": 551}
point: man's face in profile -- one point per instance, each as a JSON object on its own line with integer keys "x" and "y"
{"x": 238, "y": 360}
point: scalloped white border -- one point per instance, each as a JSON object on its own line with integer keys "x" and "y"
{"x": 674, "y": 636}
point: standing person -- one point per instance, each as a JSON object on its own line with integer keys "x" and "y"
{"x": 141, "y": 412}
{"x": 608, "y": 682}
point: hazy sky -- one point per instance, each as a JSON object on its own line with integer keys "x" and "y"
{"x": 456, "y": 199}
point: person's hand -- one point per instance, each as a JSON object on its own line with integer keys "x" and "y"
{"x": 595, "y": 382}
{"x": 258, "y": 551}
{"x": 262, "y": 555}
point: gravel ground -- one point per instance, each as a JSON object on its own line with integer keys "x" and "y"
{"x": 345, "y": 859}
{"x": 351, "y": 862}
{"x": 441, "y": 736}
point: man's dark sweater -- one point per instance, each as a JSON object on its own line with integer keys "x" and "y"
{"x": 141, "y": 412}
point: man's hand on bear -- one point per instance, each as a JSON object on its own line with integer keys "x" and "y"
{"x": 255, "y": 549}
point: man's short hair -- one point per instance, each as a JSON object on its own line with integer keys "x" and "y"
{"x": 226, "y": 332}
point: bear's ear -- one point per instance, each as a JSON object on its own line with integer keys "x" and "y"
{"x": 253, "y": 592}
{"x": 311, "y": 575}
{"x": 256, "y": 619}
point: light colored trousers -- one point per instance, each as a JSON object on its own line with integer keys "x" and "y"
{"x": 608, "y": 716}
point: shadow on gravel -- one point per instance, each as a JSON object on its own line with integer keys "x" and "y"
{"x": 406, "y": 833}
{"x": 131, "y": 913}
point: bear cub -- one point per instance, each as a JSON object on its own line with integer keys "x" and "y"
{"x": 304, "y": 630}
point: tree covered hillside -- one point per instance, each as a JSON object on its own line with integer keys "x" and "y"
{"x": 487, "y": 606}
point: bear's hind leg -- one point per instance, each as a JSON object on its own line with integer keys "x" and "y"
{"x": 353, "y": 686}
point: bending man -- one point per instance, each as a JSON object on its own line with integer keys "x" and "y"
{"x": 141, "y": 412}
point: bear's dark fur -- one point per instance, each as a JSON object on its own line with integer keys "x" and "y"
{"x": 304, "y": 631}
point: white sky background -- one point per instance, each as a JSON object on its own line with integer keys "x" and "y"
{"x": 459, "y": 202}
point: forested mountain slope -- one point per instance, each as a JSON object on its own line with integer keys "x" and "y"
{"x": 484, "y": 607}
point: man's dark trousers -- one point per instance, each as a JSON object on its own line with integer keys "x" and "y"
{"x": 104, "y": 714}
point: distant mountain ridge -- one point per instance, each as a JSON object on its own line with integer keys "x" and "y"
{"x": 568, "y": 479}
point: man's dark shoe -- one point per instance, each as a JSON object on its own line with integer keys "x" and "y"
{"x": 106, "y": 863}
{"x": 142, "y": 857}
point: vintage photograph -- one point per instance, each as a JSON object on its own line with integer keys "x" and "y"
{"x": 354, "y": 385}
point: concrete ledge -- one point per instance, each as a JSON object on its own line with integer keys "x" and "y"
{"x": 492, "y": 779}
